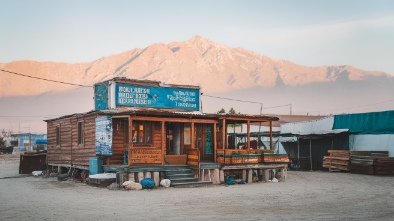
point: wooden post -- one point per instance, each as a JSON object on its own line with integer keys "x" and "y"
{"x": 244, "y": 175}
{"x": 298, "y": 153}
{"x": 130, "y": 147}
{"x": 260, "y": 174}
{"x": 271, "y": 143}
{"x": 224, "y": 134}
{"x": 163, "y": 142}
{"x": 214, "y": 143}
{"x": 192, "y": 146}
{"x": 250, "y": 176}
{"x": 156, "y": 178}
{"x": 132, "y": 177}
{"x": 310, "y": 151}
{"x": 248, "y": 136}
{"x": 147, "y": 175}
{"x": 221, "y": 176}
{"x": 216, "y": 177}
{"x": 266, "y": 175}
{"x": 140, "y": 176}
{"x": 283, "y": 174}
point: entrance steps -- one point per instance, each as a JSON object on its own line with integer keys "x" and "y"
{"x": 183, "y": 176}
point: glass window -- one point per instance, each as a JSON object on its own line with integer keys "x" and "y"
{"x": 80, "y": 132}
{"x": 142, "y": 132}
{"x": 57, "y": 135}
{"x": 186, "y": 134}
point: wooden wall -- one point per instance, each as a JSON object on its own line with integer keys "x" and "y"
{"x": 150, "y": 153}
{"x": 59, "y": 154}
{"x": 69, "y": 151}
{"x": 119, "y": 142}
{"x": 81, "y": 153}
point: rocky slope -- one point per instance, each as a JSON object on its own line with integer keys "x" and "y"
{"x": 197, "y": 61}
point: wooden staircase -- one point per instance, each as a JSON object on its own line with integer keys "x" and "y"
{"x": 183, "y": 176}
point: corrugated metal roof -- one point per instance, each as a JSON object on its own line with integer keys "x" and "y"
{"x": 315, "y": 127}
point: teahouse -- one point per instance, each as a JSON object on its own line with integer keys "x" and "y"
{"x": 149, "y": 129}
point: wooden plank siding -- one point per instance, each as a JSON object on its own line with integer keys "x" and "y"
{"x": 119, "y": 141}
{"x": 69, "y": 151}
{"x": 156, "y": 145}
{"x": 59, "y": 154}
{"x": 82, "y": 152}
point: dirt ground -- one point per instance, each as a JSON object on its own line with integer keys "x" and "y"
{"x": 303, "y": 196}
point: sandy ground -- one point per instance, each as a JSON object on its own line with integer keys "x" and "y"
{"x": 303, "y": 196}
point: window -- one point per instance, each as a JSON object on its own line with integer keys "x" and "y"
{"x": 80, "y": 132}
{"x": 186, "y": 134}
{"x": 57, "y": 136}
{"x": 142, "y": 132}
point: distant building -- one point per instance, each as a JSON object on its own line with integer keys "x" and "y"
{"x": 26, "y": 141}
{"x": 311, "y": 140}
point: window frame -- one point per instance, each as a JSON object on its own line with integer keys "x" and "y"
{"x": 57, "y": 135}
{"x": 142, "y": 135}
{"x": 81, "y": 131}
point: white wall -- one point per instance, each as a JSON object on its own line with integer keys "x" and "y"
{"x": 372, "y": 142}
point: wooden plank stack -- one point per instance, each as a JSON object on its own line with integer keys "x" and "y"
{"x": 383, "y": 166}
{"x": 275, "y": 158}
{"x": 362, "y": 162}
{"x": 338, "y": 160}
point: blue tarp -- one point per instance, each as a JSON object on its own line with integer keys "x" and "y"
{"x": 366, "y": 123}
{"x": 41, "y": 141}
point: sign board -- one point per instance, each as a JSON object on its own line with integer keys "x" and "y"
{"x": 101, "y": 97}
{"x": 159, "y": 97}
{"x": 146, "y": 156}
{"x": 104, "y": 136}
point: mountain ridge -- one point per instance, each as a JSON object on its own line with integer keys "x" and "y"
{"x": 197, "y": 61}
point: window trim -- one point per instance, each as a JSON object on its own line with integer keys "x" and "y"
{"x": 136, "y": 132}
{"x": 81, "y": 133}
{"x": 57, "y": 135}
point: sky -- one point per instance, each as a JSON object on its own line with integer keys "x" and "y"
{"x": 358, "y": 33}
{"x": 312, "y": 33}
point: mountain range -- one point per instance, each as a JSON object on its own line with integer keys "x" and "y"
{"x": 228, "y": 77}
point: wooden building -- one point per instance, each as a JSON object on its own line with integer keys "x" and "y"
{"x": 144, "y": 123}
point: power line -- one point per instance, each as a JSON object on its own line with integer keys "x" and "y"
{"x": 366, "y": 105}
{"x": 44, "y": 79}
{"x": 253, "y": 102}
{"x": 224, "y": 98}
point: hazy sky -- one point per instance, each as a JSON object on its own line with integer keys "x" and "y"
{"x": 336, "y": 32}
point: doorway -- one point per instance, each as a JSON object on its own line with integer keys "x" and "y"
{"x": 204, "y": 141}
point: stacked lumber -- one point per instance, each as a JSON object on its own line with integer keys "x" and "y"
{"x": 383, "y": 166}
{"x": 338, "y": 160}
{"x": 362, "y": 162}
{"x": 275, "y": 158}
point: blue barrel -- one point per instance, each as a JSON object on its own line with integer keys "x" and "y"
{"x": 95, "y": 165}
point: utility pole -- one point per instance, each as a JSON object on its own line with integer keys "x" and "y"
{"x": 291, "y": 109}
{"x": 261, "y": 108}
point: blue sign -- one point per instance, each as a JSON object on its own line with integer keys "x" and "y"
{"x": 101, "y": 97}
{"x": 159, "y": 97}
{"x": 104, "y": 136}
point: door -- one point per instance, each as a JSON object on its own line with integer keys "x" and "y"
{"x": 173, "y": 138}
{"x": 204, "y": 141}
